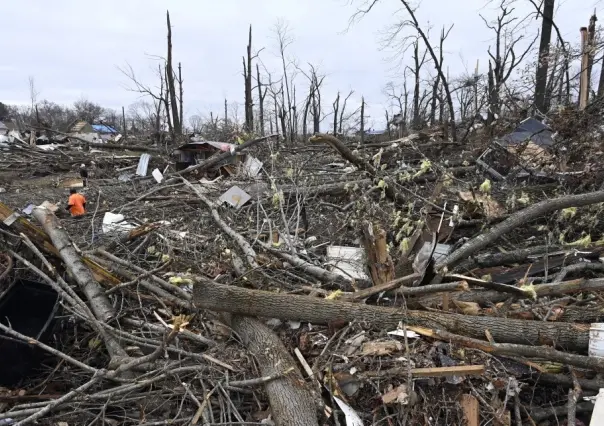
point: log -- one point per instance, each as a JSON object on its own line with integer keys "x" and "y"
{"x": 509, "y": 349}
{"x": 538, "y": 414}
{"x": 100, "y": 304}
{"x": 541, "y": 290}
{"x": 250, "y": 254}
{"x": 519, "y": 218}
{"x": 489, "y": 260}
{"x": 257, "y": 303}
{"x": 291, "y": 402}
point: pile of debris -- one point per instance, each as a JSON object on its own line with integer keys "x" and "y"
{"x": 324, "y": 283}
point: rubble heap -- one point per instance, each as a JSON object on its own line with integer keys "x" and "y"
{"x": 402, "y": 282}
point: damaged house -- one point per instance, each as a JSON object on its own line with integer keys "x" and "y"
{"x": 106, "y": 132}
{"x": 83, "y": 130}
{"x": 526, "y": 151}
{"x": 198, "y": 151}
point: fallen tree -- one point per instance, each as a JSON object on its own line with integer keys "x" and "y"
{"x": 256, "y": 303}
{"x": 519, "y": 218}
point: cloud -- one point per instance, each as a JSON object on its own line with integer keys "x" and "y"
{"x": 73, "y": 48}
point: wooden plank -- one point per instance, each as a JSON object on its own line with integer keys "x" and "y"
{"x": 460, "y": 370}
{"x": 471, "y": 413}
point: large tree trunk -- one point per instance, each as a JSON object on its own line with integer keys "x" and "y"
{"x": 177, "y": 125}
{"x": 99, "y": 303}
{"x": 542, "y": 64}
{"x": 247, "y": 74}
{"x": 291, "y": 402}
{"x": 219, "y": 297}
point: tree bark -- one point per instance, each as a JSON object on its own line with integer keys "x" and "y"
{"x": 246, "y": 302}
{"x": 376, "y": 249}
{"x": 291, "y": 402}
{"x": 99, "y": 303}
{"x": 542, "y": 64}
{"x": 101, "y": 306}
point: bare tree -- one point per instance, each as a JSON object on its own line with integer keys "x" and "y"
{"x": 247, "y": 76}
{"x": 412, "y": 22}
{"x": 435, "y": 87}
{"x": 543, "y": 59}
{"x": 158, "y": 96}
{"x": 33, "y": 93}
{"x": 336, "y": 106}
{"x": 180, "y": 97}
{"x": 417, "y": 66}
{"x": 504, "y": 59}
{"x": 261, "y": 96}
{"x": 176, "y": 124}
{"x": 342, "y": 111}
{"x": 284, "y": 40}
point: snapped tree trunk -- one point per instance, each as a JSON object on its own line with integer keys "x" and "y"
{"x": 170, "y": 80}
{"x": 247, "y": 74}
{"x": 261, "y": 97}
{"x": 542, "y": 63}
{"x": 376, "y": 249}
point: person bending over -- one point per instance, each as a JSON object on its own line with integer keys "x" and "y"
{"x": 76, "y": 204}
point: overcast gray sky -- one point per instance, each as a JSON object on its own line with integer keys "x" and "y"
{"x": 72, "y": 48}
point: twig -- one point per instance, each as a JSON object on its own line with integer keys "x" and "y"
{"x": 260, "y": 380}
{"x": 64, "y": 399}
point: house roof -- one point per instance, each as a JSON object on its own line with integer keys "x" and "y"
{"x": 530, "y": 129}
{"x": 103, "y": 128}
{"x": 375, "y": 132}
{"x": 223, "y": 146}
{"x": 77, "y": 126}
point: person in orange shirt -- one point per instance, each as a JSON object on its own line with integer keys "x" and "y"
{"x": 76, "y": 204}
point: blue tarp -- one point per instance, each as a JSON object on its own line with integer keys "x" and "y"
{"x": 103, "y": 128}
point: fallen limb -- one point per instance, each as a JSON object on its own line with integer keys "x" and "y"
{"x": 562, "y": 380}
{"x": 219, "y": 297}
{"x": 503, "y": 288}
{"x": 317, "y": 272}
{"x": 577, "y": 267}
{"x": 539, "y": 414}
{"x": 519, "y": 218}
{"x": 100, "y": 304}
{"x": 543, "y": 352}
{"x": 250, "y": 254}
{"x": 540, "y": 290}
{"x": 391, "y": 285}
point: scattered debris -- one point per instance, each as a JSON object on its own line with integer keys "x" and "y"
{"x": 235, "y": 197}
